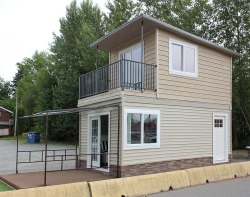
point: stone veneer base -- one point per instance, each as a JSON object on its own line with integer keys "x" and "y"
{"x": 158, "y": 167}
{"x": 164, "y": 166}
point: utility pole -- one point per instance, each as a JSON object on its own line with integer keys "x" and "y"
{"x": 16, "y": 114}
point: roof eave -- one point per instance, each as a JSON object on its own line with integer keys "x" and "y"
{"x": 172, "y": 29}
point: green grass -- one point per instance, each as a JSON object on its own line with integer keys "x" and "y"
{"x": 42, "y": 140}
{"x": 4, "y": 187}
{"x": 12, "y": 138}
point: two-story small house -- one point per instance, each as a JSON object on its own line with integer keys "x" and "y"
{"x": 5, "y": 122}
{"x": 163, "y": 103}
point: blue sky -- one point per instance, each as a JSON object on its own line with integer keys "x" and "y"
{"x": 27, "y": 26}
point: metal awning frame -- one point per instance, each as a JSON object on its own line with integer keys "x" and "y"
{"x": 48, "y": 113}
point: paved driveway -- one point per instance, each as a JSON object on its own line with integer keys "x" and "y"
{"x": 239, "y": 187}
{"x": 8, "y": 157}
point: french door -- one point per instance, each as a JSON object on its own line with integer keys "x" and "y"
{"x": 95, "y": 141}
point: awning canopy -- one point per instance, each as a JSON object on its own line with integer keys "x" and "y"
{"x": 65, "y": 111}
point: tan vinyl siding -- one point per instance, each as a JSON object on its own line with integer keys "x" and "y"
{"x": 213, "y": 84}
{"x": 114, "y": 136}
{"x": 83, "y": 136}
{"x": 186, "y": 132}
{"x": 150, "y": 49}
{"x": 114, "y": 56}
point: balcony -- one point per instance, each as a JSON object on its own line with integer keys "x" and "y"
{"x": 124, "y": 74}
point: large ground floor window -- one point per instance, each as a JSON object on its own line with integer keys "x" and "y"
{"x": 142, "y": 128}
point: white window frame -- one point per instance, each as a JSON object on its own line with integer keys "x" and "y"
{"x": 183, "y": 73}
{"x": 142, "y": 145}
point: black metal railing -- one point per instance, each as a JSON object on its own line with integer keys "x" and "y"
{"x": 60, "y": 155}
{"x": 121, "y": 74}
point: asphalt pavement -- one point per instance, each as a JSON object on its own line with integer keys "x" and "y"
{"x": 238, "y": 187}
{"x": 8, "y": 157}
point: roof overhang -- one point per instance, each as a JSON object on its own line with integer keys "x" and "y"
{"x": 132, "y": 29}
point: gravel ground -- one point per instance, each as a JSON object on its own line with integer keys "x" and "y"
{"x": 8, "y": 157}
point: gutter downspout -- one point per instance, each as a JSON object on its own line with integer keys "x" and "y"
{"x": 142, "y": 58}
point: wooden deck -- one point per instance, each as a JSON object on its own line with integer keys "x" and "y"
{"x": 36, "y": 179}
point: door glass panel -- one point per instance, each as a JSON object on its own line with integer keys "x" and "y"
{"x": 94, "y": 140}
{"x": 136, "y": 54}
{"x": 137, "y": 67}
{"x": 218, "y": 122}
{"x": 132, "y": 69}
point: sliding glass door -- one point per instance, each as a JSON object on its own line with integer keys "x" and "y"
{"x": 132, "y": 69}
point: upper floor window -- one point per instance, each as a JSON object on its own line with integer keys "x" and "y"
{"x": 183, "y": 58}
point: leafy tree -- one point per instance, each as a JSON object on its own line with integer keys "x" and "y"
{"x": 72, "y": 56}
{"x": 188, "y": 15}
{"x": 34, "y": 81}
{"x": 230, "y": 27}
{"x": 120, "y": 11}
{"x": 5, "y": 89}
{"x": 6, "y": 99}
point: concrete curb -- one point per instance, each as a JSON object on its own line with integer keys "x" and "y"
{"x": 247, "y": 167}
{"x": 139, "y": 185}
{"x": 238, "y": 169}
{"x": 196, "y": 176}
{"x": 218, "y": 173}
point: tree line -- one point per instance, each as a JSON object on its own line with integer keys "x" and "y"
{"x": 49, "y": 80}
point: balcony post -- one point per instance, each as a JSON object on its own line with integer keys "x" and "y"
{"x": 121, "y": 73}
{"x": 96, "y": 66}
{"x": 79, "y": 87}
{"x": 96, "y": 74}
{"x": 142, "y": 58}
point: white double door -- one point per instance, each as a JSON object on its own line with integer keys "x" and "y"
{"x": 220, "y": 139}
